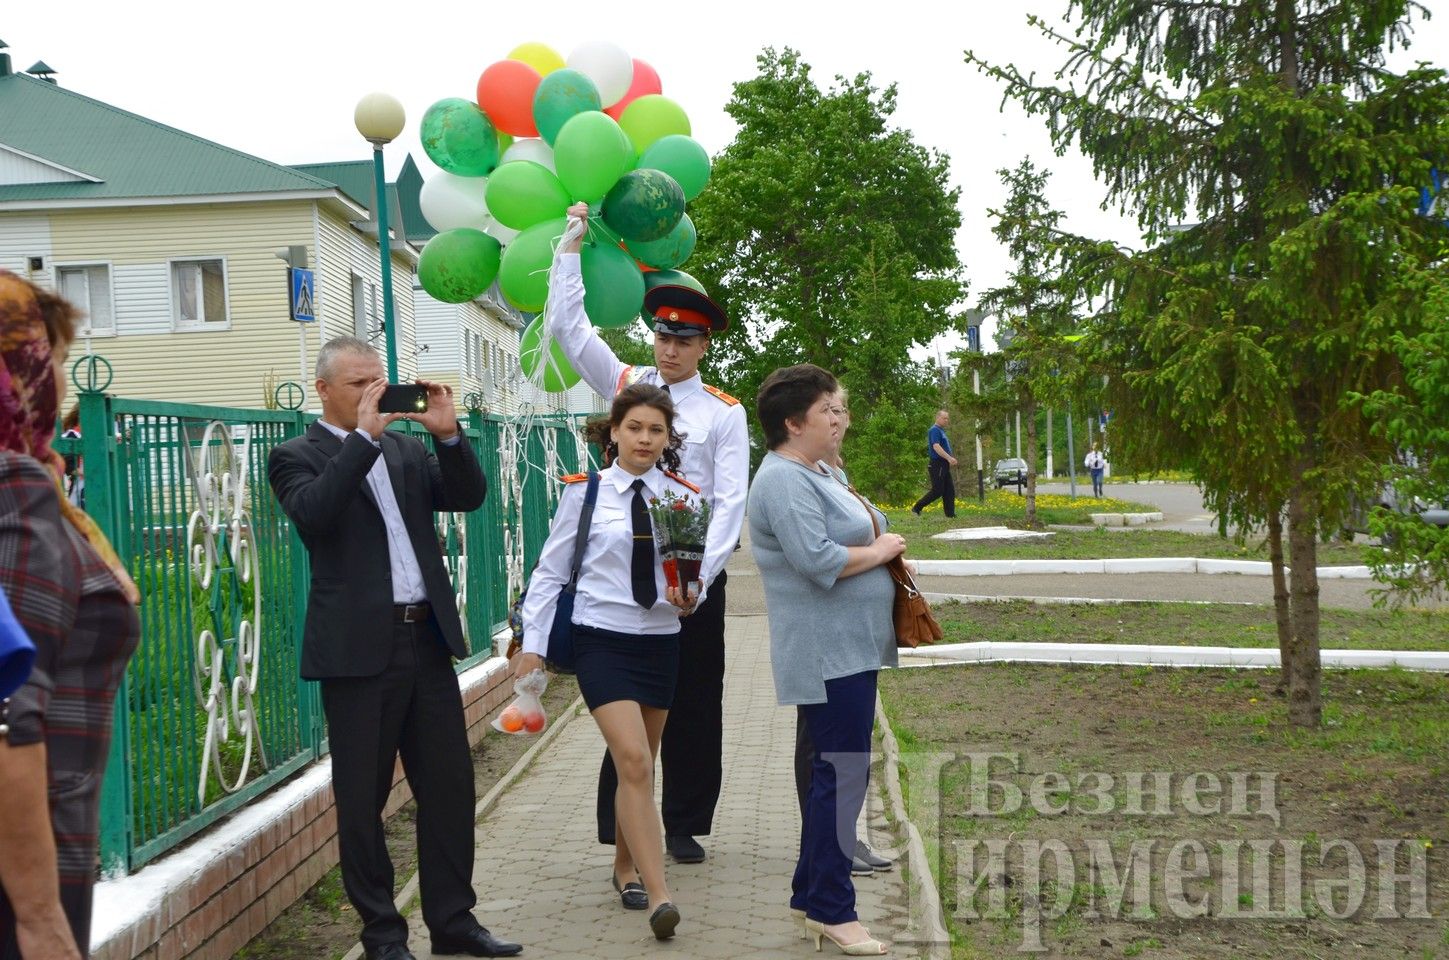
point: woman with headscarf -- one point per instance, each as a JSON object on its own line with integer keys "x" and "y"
{"x": 75, "y": 600}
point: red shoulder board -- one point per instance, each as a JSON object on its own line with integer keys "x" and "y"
{"x": 574, "y": 478}
{"x": 681, "y": 481}
{"x": 720, "y": 394}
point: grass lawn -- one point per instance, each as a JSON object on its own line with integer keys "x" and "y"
{"x": 1199, "y": 625}
{"x": 1088, "y": 749}
{"x": 1006, "y": 507}
{"x": 1085, "y": 544}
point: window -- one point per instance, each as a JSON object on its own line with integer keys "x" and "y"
{"x": 366, "y": 313}
{"x": 88, "y": 286}
{"x": 467, "y": 347}
{"x": 477, "y": 357}
{"x": 198, "y": 294}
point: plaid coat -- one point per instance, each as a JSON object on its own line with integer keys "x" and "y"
{"x": 84, "y": 630}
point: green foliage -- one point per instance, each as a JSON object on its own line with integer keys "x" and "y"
{"x": 829, "y": 238}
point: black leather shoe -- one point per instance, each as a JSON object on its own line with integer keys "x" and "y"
{"x": 663, "y": 920}
{"x": 632, "y": 894}
{"x": 864, "y": 854}
{"x": 684, "y": 849}
{"x": 389, "y": 951}
{"x": 479, "y": 943}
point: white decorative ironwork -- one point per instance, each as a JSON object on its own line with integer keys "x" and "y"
{"x": 223, "y": 559}
{"x": 456, "y": 560}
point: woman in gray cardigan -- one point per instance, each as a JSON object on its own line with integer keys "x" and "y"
{"x": 829, "y": 600}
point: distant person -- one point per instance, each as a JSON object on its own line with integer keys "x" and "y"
{"x": 75, "y": 474}
{"x": 1096, "y": 464}
{"x": 940, "y": 462}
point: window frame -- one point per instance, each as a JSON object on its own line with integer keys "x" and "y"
{"x": 87, "y": 331}
{"x": 201, "y": 326}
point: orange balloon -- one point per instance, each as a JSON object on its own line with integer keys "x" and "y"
{"x": 505, "y": 92}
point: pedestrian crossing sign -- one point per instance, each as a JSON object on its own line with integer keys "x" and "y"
{"x": 304, "y": 295}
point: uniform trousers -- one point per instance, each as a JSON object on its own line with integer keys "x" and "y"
{"x": 840, "y": 732}
{"x": 943, "y": 486}
{"x": 692, "y": 749}
{"x": 412, "y": 708}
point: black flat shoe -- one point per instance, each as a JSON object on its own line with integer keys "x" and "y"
{"x": 663, "y": 920}
{"x": 684, "y": 849}
{"x": 389, "y": 951}
{"x": 477, "y": 943}
{"x": 632, "y": 894}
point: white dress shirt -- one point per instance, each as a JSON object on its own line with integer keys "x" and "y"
{"x": 716, "y": 454}
{"x": 605, "y": 596}
{"x": 407, "y": 578}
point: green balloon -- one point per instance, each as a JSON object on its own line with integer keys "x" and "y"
{"x": 669, "y": 252}
{"x": 460, "y": 138}
{"x": 558, "y": 373}
{"x": 674, "y": 278}
{"x": 613, "y": 285}
{"x": 590, "y": 154}
{"x": 561, "y": 96}
{"x": 521, "y": 193}
{"x": 644, "y": 205}
{"x": 457, "y": 265}
{"x": 682, "y": 158}
{"x": 653, "y": 117}
{"x": 523, "y": 273}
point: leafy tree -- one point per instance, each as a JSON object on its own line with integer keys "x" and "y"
{"x": 1239, "y": 341}
{"x": 829, "y": 237}
{"x": 1039, "y": 363}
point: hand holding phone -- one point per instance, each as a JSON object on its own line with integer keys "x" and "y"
{"x": 408, "y": 398}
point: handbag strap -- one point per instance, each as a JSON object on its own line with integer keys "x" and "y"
{"x": 581, "y": 539}
{"x": 897, "y": 567}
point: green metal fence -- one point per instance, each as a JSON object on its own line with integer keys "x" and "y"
{"x": 212, "y": 711}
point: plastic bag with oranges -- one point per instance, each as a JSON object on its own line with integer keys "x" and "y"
{"x": 524, "y": 716}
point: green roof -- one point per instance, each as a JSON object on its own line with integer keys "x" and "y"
{"x": 130, "y": 156}
{"x": 355, "y": 178}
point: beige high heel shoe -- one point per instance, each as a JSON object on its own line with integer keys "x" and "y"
{"x": 861, "y": 948}
{"x": 798, "y": 916}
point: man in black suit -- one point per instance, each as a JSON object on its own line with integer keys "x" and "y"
{"x": 381, "y": 631}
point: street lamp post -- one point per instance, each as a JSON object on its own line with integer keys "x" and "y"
{"x": 380, "y": 118}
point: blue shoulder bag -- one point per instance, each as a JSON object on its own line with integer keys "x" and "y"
{"x": 560, "y": 657}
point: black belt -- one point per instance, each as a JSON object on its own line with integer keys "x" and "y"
{"x": 411, "y": 612}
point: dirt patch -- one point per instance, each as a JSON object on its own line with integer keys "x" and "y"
{"x": 322, "y": 924}
{"x": 1245, "y": 834}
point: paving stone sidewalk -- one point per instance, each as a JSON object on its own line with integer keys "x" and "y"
{"x": 543, "y": 880}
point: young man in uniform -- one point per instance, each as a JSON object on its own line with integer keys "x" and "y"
{"x": 716, "y": 458}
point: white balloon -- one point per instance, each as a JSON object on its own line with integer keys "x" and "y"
{"x": 529, "y": 148}
{"x": 608, "y": 65}
{"x": 450, "y": 202}
{"x": 499, "y": 232}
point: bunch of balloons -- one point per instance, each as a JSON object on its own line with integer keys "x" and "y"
{"x": 545, "y": 132}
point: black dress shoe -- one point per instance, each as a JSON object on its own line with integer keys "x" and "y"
{"x": 864, "y": 854}
{"x": 663, "y": 920}
{"x": 684, "y": 849}
{"x": 632, "y": 894}
{"x": 478, "y": 943}
{"x": 389, "y": 951}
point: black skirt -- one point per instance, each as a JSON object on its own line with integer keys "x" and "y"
{"x": 614, "y": 666}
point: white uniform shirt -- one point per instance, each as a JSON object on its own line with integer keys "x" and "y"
{"x": 716, "y": 454}
{"x": 407, "y": 578}
{"x": 1095, "y": 460}
{"x": 605, "y": 597}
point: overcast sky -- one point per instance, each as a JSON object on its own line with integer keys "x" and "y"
{"x": 279, "y": 80}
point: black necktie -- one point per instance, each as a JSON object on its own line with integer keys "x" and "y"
{"x": 641, "y": 568}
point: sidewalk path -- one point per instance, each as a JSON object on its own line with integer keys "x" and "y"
{"x": 543, "y": 880}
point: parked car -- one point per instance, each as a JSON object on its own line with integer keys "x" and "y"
{"x": 1010, "y": 472}
{"x": 1388, "y": 499}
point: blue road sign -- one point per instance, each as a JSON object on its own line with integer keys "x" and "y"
{"x": 973, "y": 338}
{"x": 304, "y": 295}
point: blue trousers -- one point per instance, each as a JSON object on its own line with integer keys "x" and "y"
{"x": 840, "y": 733}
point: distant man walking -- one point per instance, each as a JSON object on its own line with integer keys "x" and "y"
{"x": 938, "y": 450}
{"x": 1096, "y": 464}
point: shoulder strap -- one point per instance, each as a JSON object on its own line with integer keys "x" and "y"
{"x": 897, "y": 566}
{"x": 581, "y": 539}
{"x": 868, "y": 511}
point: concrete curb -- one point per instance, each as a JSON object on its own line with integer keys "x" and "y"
{"x": 488, "y": 802}
{"x": 1164, "y": 655}
{"x": 996, "y": 568}
{"x": 934, "y": 938}
{"x": 1070, "y": 601}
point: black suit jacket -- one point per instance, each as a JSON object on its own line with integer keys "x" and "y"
{"x": 321, "y": 483}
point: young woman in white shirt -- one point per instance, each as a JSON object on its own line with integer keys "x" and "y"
{"x": 626, "y": 635}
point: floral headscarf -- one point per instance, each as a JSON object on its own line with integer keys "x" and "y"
{"x": 28, "y": 405}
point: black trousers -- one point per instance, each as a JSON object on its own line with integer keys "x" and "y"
{"x": 412, "y": 708}
{"x": 942, "y": 486}
{"x": 692, "y": 748}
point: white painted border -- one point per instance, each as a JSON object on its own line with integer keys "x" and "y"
{"x": 991, "y": 568}
{"x": 1163, "y": 655}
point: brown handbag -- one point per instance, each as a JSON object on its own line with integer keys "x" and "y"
{"x": 910, "y": 613}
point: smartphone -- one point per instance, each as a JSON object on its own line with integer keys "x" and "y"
{"x": 403, "y": 398}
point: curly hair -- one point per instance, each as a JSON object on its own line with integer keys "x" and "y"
{"x": 596, "y": 430}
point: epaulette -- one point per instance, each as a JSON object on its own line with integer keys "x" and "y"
{"x": 574, "y": 478}
{"x": 627, "y": 377}
{"x": 720, "y": 394}
{"x": 681, "y": 481}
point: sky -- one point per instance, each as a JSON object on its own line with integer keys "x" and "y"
{"x": 280, "y": 79}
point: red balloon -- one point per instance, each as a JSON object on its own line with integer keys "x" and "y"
{"x": 505, "y": 92}
{"x": 646, "y": 81}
